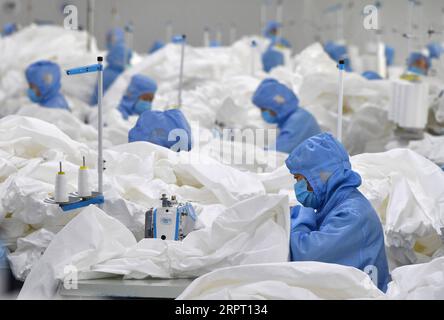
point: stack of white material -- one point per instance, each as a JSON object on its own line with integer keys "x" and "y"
{"x": 409, "y": 104}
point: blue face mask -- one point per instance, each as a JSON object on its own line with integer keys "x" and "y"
{"x": 417, "y": 71}
{"x": 306, "y": 198}
{"x": 266, "y": 115}
{"x": 142, "y": 106}
{"x": 33, "y": 96}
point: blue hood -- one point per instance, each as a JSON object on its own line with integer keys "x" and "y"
{"x": 46, "y": 76}
{"x": 269, "y": 27}
{"x": 414, "y": 57}
{"x": 325, "y": 163}
{"x": 155, "y": 126}
{"x": 275, "y": 96}
{"x": 138, "y": 86}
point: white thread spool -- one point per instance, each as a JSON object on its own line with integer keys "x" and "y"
{"x": 61, "y": 187}
{"x": 83, "y": 188}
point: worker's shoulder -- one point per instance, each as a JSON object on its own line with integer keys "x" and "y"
{"x": 302, "y": 114}
{"x": 356, "y": 204}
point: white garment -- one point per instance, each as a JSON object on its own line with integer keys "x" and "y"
{"x": 283, "y": 281}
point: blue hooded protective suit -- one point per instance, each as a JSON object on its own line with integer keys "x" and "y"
{"x": 275, "y": 40}
{"x": 295, "y": 123}
{"x": 371, "y": 75}
{"x": 115, "y": 36}
{"x": 345, "y": 228}
{"x": 156, "y": 127}
{"x": 116, "y": 65}
{"x": 45, "y": 75}
{"x": 272, "y": 58}
{"x": 138, "y": 86}
{"x": 413, "y": 59}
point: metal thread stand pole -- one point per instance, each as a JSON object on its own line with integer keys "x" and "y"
{"x": 206, "y": 37}
{"x": 263, "y": 17}
{"x": 410, "y": 28}
{"x": 253, "y": 57}
{"x": 90, "y": 24}
{"x": 233, "y": 34}
{"x": 129, "y": 44}
{"x": 280, "y": 12}
{"x": 168, "y": 31}
{"x": 100, "y": 129}
{"x": 182, "y": 60}
{"x": 341, "y": 67}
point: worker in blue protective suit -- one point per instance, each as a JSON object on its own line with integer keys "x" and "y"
{"x": 169, "y": 129}
{"x": 44, "y": 85}
{"x": 435, "y": 50}
{"x": 371, "y": 75}
{"x": 272, "y": 58}
{"x": 115, "y": 36}
{"x": 271, "y": 31}
{"x": 279, "y": 105}
{"x": 389, "y": 55}
{"x": 8, "y": 29}
{"x": 118, "y": 58}
{"x": 336, "y": 224}
{"x": 138, "y": 97}
{"x": 418, "y": 63}
{"x": 338, "y": 52}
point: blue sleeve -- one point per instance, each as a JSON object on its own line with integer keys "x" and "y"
{"x": 336, "y": 240}
{"x": 301, "y": 126}
{"x": 123, "y": 111}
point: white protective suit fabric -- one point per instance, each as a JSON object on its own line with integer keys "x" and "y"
{"x": 283, "y": 281}
{"x": 418, "y": 282}
{"x": 91, "y": 237}
{"x": 407, "y": 191}
{"x": 252, "y": 231}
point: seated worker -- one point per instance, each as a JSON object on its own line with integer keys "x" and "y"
{"x": 9, "y": 29}
{"x": 271, "y": 31}
{"x": 418, "y": 63}
{"x": 138, "y": 97}
{"x": 168, "y": 129}
{"x": 336, "y": 224}
{"x": 272, "y": 58}
{"x": 115, "y": 36}
{"x": 279, "y": 105}
{"x": 44, "y": 85}
{"x": 118, "y": 58}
